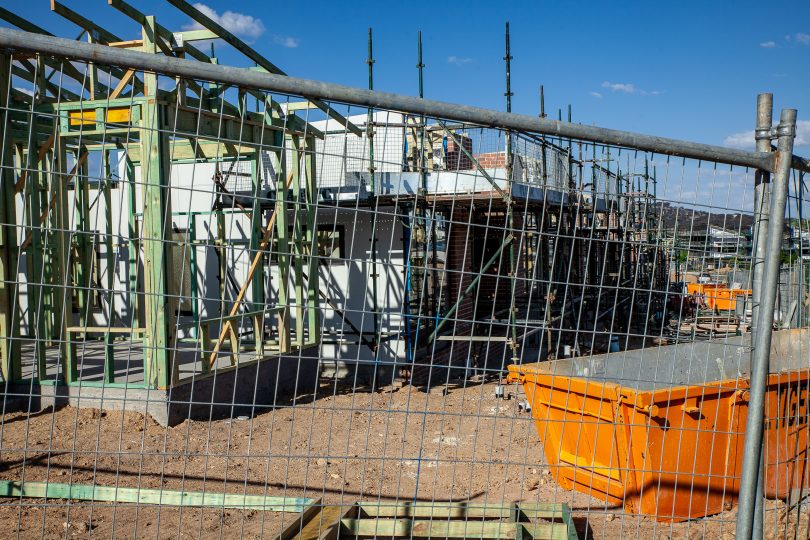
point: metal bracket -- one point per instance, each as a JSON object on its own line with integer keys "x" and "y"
{"x": 177, "y": 41}
{"x": 763, "y": 134}
{"x": 785, "y": 130}
{"x": 775, "y": 132}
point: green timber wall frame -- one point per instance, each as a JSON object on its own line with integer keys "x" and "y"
{"x": 152, "y": 142}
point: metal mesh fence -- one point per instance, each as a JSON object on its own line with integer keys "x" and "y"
{"x": 226, "y": 312}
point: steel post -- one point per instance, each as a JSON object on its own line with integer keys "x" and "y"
{"x": 762, "y": 181}
{"x": 764, "y": 328}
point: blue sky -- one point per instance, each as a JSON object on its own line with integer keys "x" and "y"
{"x": 685, "y": 69}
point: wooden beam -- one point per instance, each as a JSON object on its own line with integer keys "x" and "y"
{"x": 44, "y": 215}
{"x": 225, "y": 35}
{"x": 26, "y": 71}
{"x": 194, "y": 35}
{"x": 83, "y": 235}
{"x": 100, "y": 32}
{"x": 62, "y": 272}
{"x": 41, "y": 153}
{"x": 131, "y": 44}
{"x": 298, "y": 106}
{"x": 459, "y": 510}
{"x": 104, "y": 330}
{"x": 199, "y": 122}
{"x": 407, "y": 528}
{"x": 257, "y": 286}
{"x": 263, "y": 245}
{"x": 163, "y": 497}
{"x": 97, "y": 33}
{"x": 473, "y": 338}
{"x": 318, "y": 522}
{"x": 122, "y": 84}
{"x": 195, "y": 150}
{"x": 164, "y": 36}
{"x": 137, "y": 16}
{"x": 251, "y": 53}
{"x": 10, "y": 363}
{"x": 23, "y": 24}
{"x": 31, "y": 197}
{"x": 298, "y": 249}
{"x": 282, "y": 240}
{"x": 161, "y": 370}
{"x": 313, "y": 281}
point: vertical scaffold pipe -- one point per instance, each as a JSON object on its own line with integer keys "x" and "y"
{"x": 510, "y": 211}
{"x": 373, "y": 187}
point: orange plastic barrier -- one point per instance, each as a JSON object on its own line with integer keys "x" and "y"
{"x": 673, "y": 453}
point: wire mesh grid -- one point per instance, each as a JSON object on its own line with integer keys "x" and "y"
{"x": 234, "y": 315}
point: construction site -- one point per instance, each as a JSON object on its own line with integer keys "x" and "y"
{"x": 238, "y": 303}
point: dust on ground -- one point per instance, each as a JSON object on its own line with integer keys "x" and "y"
{"x": 454, "y": 444}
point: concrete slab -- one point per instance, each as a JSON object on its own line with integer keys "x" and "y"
{"x": 244, "y": 389}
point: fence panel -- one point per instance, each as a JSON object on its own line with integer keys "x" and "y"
{"x": 227, "y": 312}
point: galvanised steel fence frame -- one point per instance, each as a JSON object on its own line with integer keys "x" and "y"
{"x": 773, "y": 175}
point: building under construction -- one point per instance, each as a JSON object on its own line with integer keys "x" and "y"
{"x": 173, "y": 237}
{"x": 387, "y": 316}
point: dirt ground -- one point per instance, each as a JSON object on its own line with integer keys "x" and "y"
{"x": 459, "y": 444}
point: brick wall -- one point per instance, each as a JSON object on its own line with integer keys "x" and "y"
{"x": 455, "y": 159}
{"x": 493, "y": 293}
{"x": 492, "y": 160}
{"x": 495, "y": 286}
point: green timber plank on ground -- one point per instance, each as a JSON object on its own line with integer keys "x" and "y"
{"x": 318, "y": 522}
{"x": 456, "y": 510}
{"x": 90, "y": 492}
{"x": 451, "y": 529}
{"x": 544, "y": 510}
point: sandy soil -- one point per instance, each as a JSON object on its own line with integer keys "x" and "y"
{"x": 395, "y": 445}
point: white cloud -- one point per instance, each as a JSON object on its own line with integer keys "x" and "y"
{"x": 768, "y": 44}
{"x": 597, "y": 95}
{"x": 803, "y": 38}
{"x": 802, "y": 133}
{"x": 240, "y": 24}
{"x": 745, "y": 139}
{"x": 287, "y": 41}
{"x": 458, "y": 60}
{"x": 629, "y": 88}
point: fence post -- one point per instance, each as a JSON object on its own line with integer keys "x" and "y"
{"x": 762, "y": 179}
{"x": 764, "y": 327}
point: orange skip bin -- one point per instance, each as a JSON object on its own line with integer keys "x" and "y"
{"x": 659, "y": 430}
